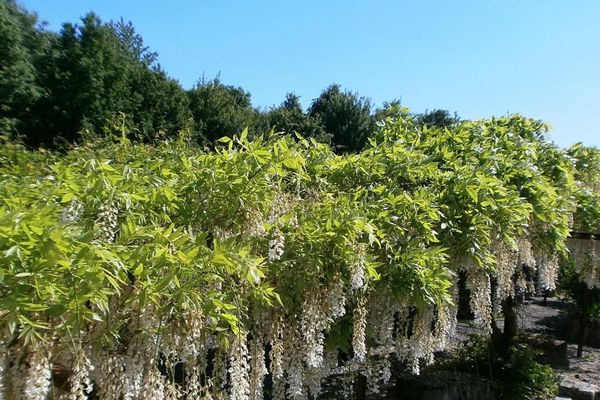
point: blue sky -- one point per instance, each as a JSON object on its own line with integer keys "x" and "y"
{"x": 540, "y": 58}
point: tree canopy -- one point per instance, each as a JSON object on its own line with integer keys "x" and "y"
{"x": 290, "y": 118}
{"x": 346, "y": 116}
{"x": 83, "y": 78}
{"x": 22, "y": 44}
{"x": 220, "y": 110}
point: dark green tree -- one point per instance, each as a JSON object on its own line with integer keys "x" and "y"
{"x": 96, "y": 72}
{"x": 87, "y": 81}
{"x": 437, "y": 118}
{"x": 221, "y": 110}
{"x": 344, "y": 115}
{"x": 158, "y": 105}
{"x": 134, "y": 43}
{"x": 22, "y": 43}
{"x": 289, "y": 117}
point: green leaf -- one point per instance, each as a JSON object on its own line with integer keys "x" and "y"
{"x": 67, "y": 198}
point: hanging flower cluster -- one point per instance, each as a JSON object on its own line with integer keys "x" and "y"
{"x": 37, "y": 383}
{"x": 359, "y": 346}
{"x": 106, "y": 223}
{"x": 585, "y": 252}
{"x": 480, "y": 300}
{"x": 276, "y": 246}
{"x": 506, "y": 267}
{"x": 547, "y": 269}
{"x": 72, "y": 213}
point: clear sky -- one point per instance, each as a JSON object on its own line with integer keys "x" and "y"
{"x": 540, "y": 58}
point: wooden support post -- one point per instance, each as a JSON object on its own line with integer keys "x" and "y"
{"x": 359, "y": 388}
{"x": 583, "y": 318}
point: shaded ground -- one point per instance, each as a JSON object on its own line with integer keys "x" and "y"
{"x": 548, "y": 319}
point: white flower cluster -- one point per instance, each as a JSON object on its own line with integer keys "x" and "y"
{"x": 15, "y": 369}
{"x": 106, "y": 223}
{"x": 219, "y": 378}
{"x": 276, "y": 246}
{"x": 506, "y": 265}
{"x": 312, "y": 324}
{"x": 138, "y": 360}
{"x": 525, "y": 252}
{"x": 586, "y": 253}
{"x": 80, "y": 384}
{"x": 381, "y": 318}
{"x": 402, "y": 330}
{"x": 172, "y": 391}
{"x": 381, "y": 312}
{"x": 294, "y": 364}
{"x": 312, "y": 380}
{"x": 108, "y": 387}
{"x": 357, "y": 269}
{"x": 258, "y": 368}
{"x": 254, "y": 224}
{"x": 452, "y": 309}
{"x": 359, "y": 320}
{"x": 378, "y": 372}
{"x": 277, "y": 350}
{"x": 188, "y": 344}
{"x": 279, "y": 389}
{"x": 445, "y": 326}
{"x": 548, "y": 268}
{"x": 478, "y": 283}
{"x": 125, "y": 373}
{"x": 133, "y": 378}
{"x": 298, "y": 356}
{"x": 521, "y": 285}
{"x": 72, "y": 213}
{"x": 39, "y": 375}
{"x": 153, "y": 386}
{"x": 239, "y": 369}
{"x": 422, "y": 341}
{"x": 193, "y": 387}
{"x": 337, "y": 299}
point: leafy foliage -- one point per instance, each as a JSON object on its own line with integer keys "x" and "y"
{"x": 587, "y": 166}
{"x": 274, "y": 235}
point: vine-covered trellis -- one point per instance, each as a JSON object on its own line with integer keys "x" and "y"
{"x": 159, "y": 271}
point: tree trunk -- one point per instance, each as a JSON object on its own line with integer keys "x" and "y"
{"x": 510, "y": 324}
